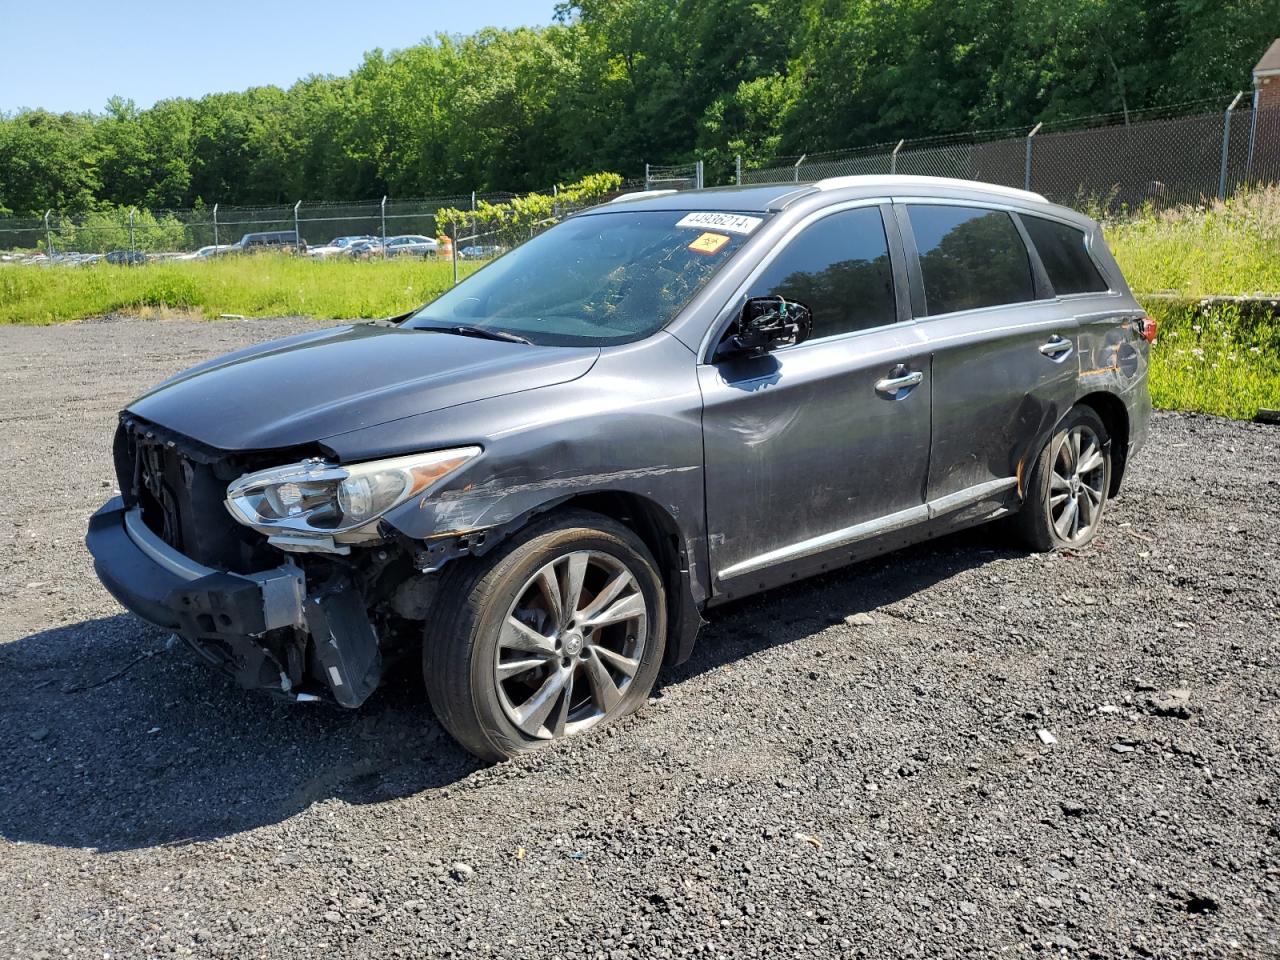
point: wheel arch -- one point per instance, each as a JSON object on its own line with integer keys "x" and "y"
{"x": 658, "y": 530}
{"x": 1114, "y": 415}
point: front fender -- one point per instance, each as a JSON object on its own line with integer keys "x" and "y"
{"x": 632, "y": 425}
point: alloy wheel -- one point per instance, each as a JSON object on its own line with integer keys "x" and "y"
{"x": 570, "y": 645}
{"x": 1077, "y": 486}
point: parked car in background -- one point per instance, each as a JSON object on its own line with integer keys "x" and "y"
{"x": 412, "y": 245}
{"x": 279, "y": 240}
{"x": 537, "y": 482}
{"x": 480, "y": 252}
{"x": 363, "y": 249}
{"x": 130, "y": 258}
{"x": 336, "y": 246}
{"x": 212, "y": 250}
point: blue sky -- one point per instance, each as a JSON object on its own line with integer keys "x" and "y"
{"x": 74, "y": 54}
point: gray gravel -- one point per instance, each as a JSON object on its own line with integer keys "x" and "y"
{"x": 955, "y": 751}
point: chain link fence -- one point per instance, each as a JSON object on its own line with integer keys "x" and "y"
{"x": 133, "y": 235}
{"x": 682, "y": 176}
{"x": 1114, "y": 164}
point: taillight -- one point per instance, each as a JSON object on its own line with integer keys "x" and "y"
{"x": 1148, "y": 329}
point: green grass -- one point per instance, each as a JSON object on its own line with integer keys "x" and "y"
{"x": 1223, "y": 249}
{"x": 1214, "y": 358}
{"x": 261, "y": 286}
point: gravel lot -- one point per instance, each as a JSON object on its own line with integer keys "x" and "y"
{"x": 955, "y": 751}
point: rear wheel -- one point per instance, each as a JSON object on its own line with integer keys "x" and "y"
{"x": 556, "y": 633}
{"x": 1067, "y": 491}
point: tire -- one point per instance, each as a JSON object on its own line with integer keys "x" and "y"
{"x": 495, "y": 650}
{"x": 1057, "y": 487}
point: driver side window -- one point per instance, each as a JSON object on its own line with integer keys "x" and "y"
{"x": 839, "y": 267}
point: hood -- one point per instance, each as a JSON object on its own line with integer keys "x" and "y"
{"x": 306, "y": 388}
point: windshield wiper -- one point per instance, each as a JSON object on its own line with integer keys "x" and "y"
{"x": 482, "y": 332}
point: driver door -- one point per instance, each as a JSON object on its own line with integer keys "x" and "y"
{"x": 817, "y": 448}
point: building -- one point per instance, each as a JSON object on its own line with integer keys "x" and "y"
{"x": 1266, "y": 78}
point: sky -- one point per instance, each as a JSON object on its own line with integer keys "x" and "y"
{"x": 75, "y": 54}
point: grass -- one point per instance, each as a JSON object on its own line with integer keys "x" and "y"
{"x": 1213, "y": 357}
{"x": 262, "y": 286}
{"x": 1225, "y": 248}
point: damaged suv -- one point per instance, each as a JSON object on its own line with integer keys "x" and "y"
{"x": 540, "y": 480}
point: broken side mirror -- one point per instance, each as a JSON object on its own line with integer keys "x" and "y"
{"x": 765, "y": 324}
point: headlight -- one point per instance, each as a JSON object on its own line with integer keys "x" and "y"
{"x": 316, "y": 498}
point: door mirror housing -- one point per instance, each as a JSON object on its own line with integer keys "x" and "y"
{"x": 765, "y": 324}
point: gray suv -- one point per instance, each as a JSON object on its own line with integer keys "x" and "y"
{"x": 538, "y": 482}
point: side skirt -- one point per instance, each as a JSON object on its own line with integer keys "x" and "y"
{"x": 958, "y": 511}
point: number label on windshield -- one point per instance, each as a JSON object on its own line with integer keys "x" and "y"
{"x": 729, "y": 222}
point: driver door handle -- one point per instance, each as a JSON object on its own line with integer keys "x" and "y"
{"x": 1056, "y": 346}
{"x": 892, "y": 384}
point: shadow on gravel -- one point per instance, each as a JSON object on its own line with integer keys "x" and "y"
{"x": 115, "y": 740}
{"x": 169, "y": 752}
{"x": 741, "y": 628}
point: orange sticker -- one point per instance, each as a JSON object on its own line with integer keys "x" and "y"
{"x": 709, "y": 243}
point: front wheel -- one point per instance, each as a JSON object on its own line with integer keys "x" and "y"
{"x": 557, "y": 632}
{"x": 1069, "y": 483}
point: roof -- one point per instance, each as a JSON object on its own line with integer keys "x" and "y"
{"x": 1269, "y": 65}
{"x": 779, "y": 196}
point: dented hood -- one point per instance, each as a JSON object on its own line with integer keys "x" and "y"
{"x": 306, "y": 388}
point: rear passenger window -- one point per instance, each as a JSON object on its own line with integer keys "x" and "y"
{"x": 1064, "y": 255}
{"x": 970, "y": 258}
{"x": 838, "y": 267}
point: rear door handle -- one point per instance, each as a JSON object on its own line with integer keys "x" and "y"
{"x": 1056, "y": 346}
{"x": 898, "y": 380}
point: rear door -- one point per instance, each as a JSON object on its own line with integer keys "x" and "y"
{"x": 819, "y": 446}
{"x": 1005, "y": 363}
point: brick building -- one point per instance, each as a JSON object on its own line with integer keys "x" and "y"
{"x": 1266, "y": 78}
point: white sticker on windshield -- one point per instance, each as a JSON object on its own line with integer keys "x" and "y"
{"x": 731, "y": 222}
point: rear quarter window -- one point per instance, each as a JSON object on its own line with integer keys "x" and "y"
{"x": 970, "y": 257}
{"x": 1065, "y": 256}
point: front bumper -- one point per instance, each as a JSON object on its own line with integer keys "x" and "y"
{"x": 263, "y": 629}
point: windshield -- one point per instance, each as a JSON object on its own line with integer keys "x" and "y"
{"x": 596, "y": 279}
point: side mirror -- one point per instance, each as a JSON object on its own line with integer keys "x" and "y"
{"x": 765, "y": 324}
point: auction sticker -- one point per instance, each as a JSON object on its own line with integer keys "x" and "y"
{"x": 709, "y": 243}
{"x": 728, "y": 222}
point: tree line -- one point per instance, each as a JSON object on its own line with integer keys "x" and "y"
{"x": 613, "y": 83}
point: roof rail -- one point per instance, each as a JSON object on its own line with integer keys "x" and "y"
{"x": 902, "y": 181}
{"x": 638, "y": 194}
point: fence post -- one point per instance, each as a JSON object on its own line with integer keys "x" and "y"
{"x": 48, "y": 235}
{"x": 1253, "y": 133}
{"x": 384, "y": 227}
{"x": 893, "y": 157}
{"x": 796, "y": 168}
{"x": 1226, "y": 147}
{"x": 473, "y": 201}
{"x": 132, "y": 246}
{"x": 646, "y": 176}
{"x": 297, "y": 234}
{"x": 737, "y": 169}
{"x": 215, "y": 228}
{"x": 1026, "y": 179}
{"x": 699, "y": 175}
{"x": 555, "y": 201}
{"x": 453, "y": 245}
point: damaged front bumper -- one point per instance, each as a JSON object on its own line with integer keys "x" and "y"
{"x": 269, "y": 630}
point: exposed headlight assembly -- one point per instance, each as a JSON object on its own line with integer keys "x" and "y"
{"x": 305, "y": 506}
